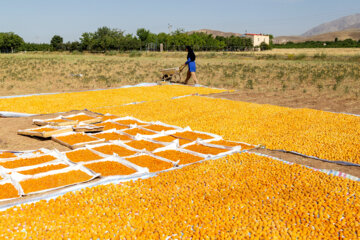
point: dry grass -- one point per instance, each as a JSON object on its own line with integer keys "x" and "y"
{"x": 315, "y": 71}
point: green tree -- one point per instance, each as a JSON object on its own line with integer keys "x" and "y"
{"x": 143, "y": 34}
{"x": 264, "y": 46}
{"x": 107, "y": 39}
{"x": 57, "y": 43}
{"x": 85, "y": 41}
{"x": 10, "y": 42}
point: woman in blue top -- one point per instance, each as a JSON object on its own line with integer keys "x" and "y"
{"x": 191, "y": 64}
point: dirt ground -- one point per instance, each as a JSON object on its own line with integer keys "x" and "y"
{"x": 332, "y": 103}
{"x": 10, "y": 140}
{"x": 352, "y": 170}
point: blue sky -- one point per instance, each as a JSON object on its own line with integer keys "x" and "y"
{"x": 39, "y": 20}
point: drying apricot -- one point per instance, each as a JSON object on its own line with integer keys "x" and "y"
{"x": 112, "y": 136}
{"x": 205, "y": 149}
{"x": 23, "y": 162}
{"x": 54, "y": 181}
{"x": 135, "y": 131}
{"x": 153, "y": 164}
{"x": 191, "y": 135}
{"x": 7, "y": 155}
{"x": 110, "y": 168}
{"x": 76, "y": 138}
{"x": 182, "y": 157}
{"x": 109, "y": 117}
{"x": 142, "y": 144}
{"x": 128, "y": 122}
{"x": 43, "y": 169}
{"x": 82, "y": 155}
{"x": 232, "y": 144}
{"x": 8, "y": 190}
{"x": 159, "y": 128}
{"x": 80, "y": 117}
{"x": 111, "y": 125}
{"x": 112, "y": 148}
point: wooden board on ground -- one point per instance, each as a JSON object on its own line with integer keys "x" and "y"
{"x": 88, "y": 128}
{"x": 11, "y": 140}
{"x": 44, "y": 134}
{"x": 91, "y": 121}
{"x": 66, "y": 122}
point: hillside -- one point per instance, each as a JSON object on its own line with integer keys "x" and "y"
{"x": 348, "y": 22}
{"x": 330, "y": 36}
{"x": 216, "y": 33}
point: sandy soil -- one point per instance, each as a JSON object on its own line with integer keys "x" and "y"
{"x": 332, "y": 103}
{"x": 10, "y": 140}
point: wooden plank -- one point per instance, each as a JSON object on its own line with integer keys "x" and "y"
{"x": 88, "y": 129}
{"x": 28, "y": 132}
{"x": 90, "y": 121}
{"x": 78, "y": 145}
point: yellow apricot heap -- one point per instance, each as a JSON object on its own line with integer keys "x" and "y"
{"x": 8, "y": 190}
{"x": 135, "y": 131}
{"x": 128, "y": 122}
{"x": 110, "y": 168}
{"x": 108, "y": 117}
{"x": 7, "y": 155}
{"x": 205, "y": 149}
{"x": 159, "y": 128}
{"x": 153, "y": 164}
{"x": 23, "y": 162}
{"x": 317, "y": 133}
{"x": 112, "y": 136}
{"x": 242, "y": 196}
{"x": 97, "y": 99}
{"x": 76, "y": 138}
{"x": 43, "y": 169}
{"x": 59, "y": 120}
{"x": 112, "y": 148}
{"x": 182, "y": 157}
{"x": 171, "y": 139}
{"x": 232, "y": 144}
{"x": 82, "y": 155}
{"x": 80, "y": 117}
{"x": 111, "y": 125}
{"x": 191, "y": 135}
{"x": 42, "y": 129}
{"x": 54, "y": 181}
{"x": 142, "y": 144}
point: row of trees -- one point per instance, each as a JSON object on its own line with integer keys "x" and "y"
{"x": 348, "y": 43}
{"x": 106, "y": 39}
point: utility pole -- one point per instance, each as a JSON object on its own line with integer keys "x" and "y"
{"x": 170, "y": 28}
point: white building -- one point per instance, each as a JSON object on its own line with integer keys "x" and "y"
{"x": 257, "y": 39}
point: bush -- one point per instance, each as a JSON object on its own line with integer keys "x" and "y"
{"x": 264, "y": 46}
{"x": 135, "y": 54}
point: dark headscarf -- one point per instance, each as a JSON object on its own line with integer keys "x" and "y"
{"x": 191, "y": 53}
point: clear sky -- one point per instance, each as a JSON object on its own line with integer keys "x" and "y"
{"x": 39, "y": 20}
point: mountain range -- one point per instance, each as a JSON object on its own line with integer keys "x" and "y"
{"x": 341, "y": 28}
{"x": 348, "y": 22}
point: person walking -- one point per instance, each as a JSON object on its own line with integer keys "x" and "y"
{"x": 191, "y": 65}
